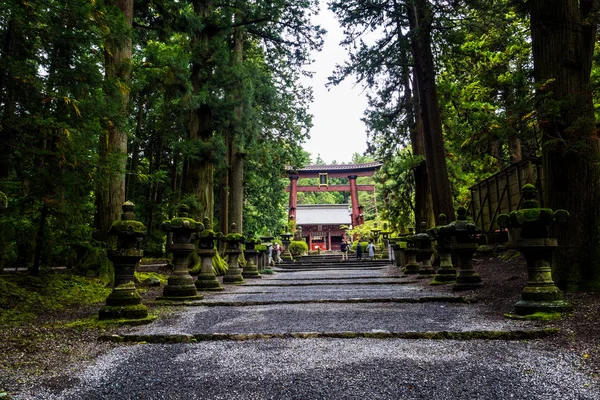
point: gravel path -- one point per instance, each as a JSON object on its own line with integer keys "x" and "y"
{"x": 332, "y": 369}
{"x": 329, "y": 368}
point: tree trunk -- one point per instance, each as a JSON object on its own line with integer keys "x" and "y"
{"x": 236, "y": 153}
{"x": 110, "y": 194}
{"x": 423, "y": 201}
{"x": 563, "y": 34}
{"x": 435, "y": 153}
{"x": 199, "y": 180}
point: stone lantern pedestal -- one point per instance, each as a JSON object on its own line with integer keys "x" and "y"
{"x": 540, "y": 293}
{"x": 234, "y": 249}
{"x": 207, "y": 280}
{"x": 412, "y": 248}
{"x": 464, "y": 245}
{"x": 181, "y": 285}
{"x": 251, "y": 269}
{"x": 267, "y": 241}
{"x": 424, "y": 253}
{"x": 124, "y": 302}
{"x": 285, "y": 241}
{"x": 446, "y": 273}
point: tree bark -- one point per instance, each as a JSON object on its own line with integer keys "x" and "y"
{"x": 236, "y": 153}
{"x": 563, "y": 34}
{"x": 420, "y": 25}
{"x": 199, "y": 180}
{"x": 110, "y": 194}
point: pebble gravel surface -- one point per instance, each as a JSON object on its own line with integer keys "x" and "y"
{"x": 328, "y": 368}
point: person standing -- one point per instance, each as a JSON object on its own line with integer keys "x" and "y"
{"x": 344, "y": 249}
{"x": 371, "y": 250}
{"x": 358, "y": 251}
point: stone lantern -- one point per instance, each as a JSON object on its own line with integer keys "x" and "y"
{"x": 234, "y": 249}
{"x": 425, "y": 251}
{"x": 285, "y": 240}
{"x": 540, "y": 294}
{"x": 251, "y": 269}
{"x": 207, "y": 280}
{"x": 464, "y": 245}
{"x": 446, "y": 272}
{"x": 375, "y": 231}
{"x": 267, "y": 241}
{"x": 124, "y": 302}
{"x": 180, "y": 285}
{"x": 412, "y": 248}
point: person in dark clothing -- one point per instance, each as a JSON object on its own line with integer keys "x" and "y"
{"x": 358, "y": 251}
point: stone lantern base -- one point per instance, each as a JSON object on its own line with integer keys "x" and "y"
{"x": 467, "y": 278}
{"x": 540, "y": 294}
{"x": 412, "y": 266}
{"x": 424, "y": 256}
{"x": 207, "y": 280}
{"x": 124, "y": 302}
{"x": 180, "y": 287}
{"x": 446, "y": 273}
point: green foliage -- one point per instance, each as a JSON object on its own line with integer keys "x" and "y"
{"x": 220, "y": 265}
{"x": 297, "y": 247}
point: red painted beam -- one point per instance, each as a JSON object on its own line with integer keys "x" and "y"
{"x": 332, "y": 188}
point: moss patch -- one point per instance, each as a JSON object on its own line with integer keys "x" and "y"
{"x": 538, "y": 316}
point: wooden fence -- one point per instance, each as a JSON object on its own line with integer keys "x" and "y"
{"x": 501, "y": 194}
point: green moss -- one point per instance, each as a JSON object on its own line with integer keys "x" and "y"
{"x": 180, "y": 222}
{"x": 143, "y": 276}
{"x": 22, "y": 297}
{"x": 128, "y": 226}
{"x": 235, "y": 237}
{"x": 219, "y": 264}
{"x": 538, "y": 316}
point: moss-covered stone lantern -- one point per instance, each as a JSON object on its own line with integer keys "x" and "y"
{"x": 234, "y": 249}
{"x": 540, "y": 294}
{"x": 412, "y": 248}
{"x": 425, "y": 251}
{"x": 251, "y": 269}
{"x": 183, "y": 232}
{"x": 446, "y": 273}
{"x": 267, "y": 241}
{"x": 207, "y": 280}
{"x": 375, "y": 232}
{"x": 464, "y": 245}
{"x": 124, "y": 302}
{"x": 285, "y": 241}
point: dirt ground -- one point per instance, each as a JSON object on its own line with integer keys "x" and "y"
{"x": 35, "y": 353}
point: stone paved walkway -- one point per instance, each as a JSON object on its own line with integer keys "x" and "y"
{"x": 332, "y": 334}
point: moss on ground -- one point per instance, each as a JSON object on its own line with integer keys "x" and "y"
{"x": 23, "y": 297}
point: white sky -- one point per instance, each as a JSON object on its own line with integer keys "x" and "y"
{"x": 337, "y": 131}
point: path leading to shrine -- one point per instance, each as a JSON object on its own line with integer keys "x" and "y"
{"x": 335, "y": 331}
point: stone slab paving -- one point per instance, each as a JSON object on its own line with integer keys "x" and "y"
{"x": 331, "y": 369}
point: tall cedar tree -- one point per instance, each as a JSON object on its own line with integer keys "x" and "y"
{"x": 110, "y": 192}
{"x": 563, "y": 34}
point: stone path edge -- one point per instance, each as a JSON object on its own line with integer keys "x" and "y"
{"x": 432, "y": 299}
{"x": 429, "y": 335}
{"x": 330, "y": 283}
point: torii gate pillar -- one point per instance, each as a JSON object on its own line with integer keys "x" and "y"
{"x": 293, "y": 196}
{"x": 354, "y": 199}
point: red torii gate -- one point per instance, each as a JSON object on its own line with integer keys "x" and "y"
{"x": 323, "y": 173}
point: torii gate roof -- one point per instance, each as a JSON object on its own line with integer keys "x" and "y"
{"x": 336, "y": 170}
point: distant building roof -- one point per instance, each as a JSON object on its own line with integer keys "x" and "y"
{"x": 323, "y": 214}
{"x": 337, "y": 167}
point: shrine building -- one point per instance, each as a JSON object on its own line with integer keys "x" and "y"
{"x": 321, "y": 222}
